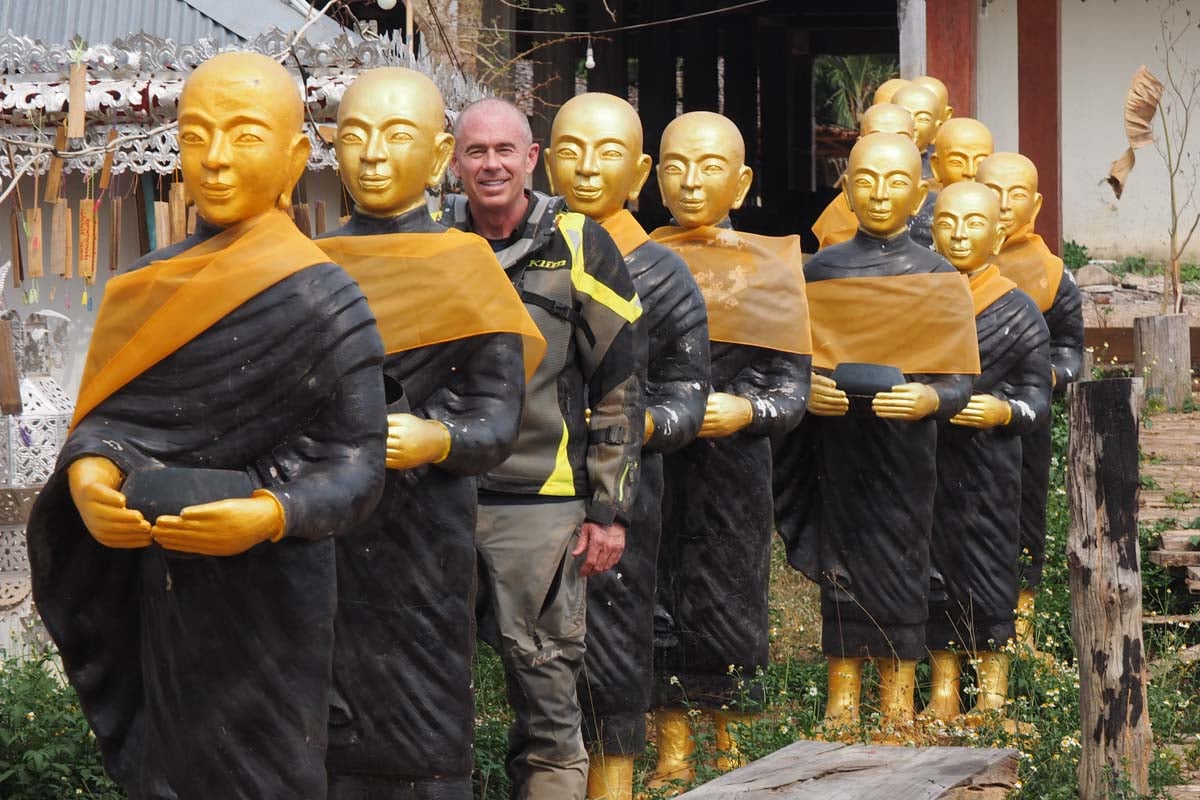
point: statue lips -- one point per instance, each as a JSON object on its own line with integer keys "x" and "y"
{"x": 215, "y": 190}
{"x": 374, "y": 182}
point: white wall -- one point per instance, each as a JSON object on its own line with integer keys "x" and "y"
{"x": 1103, "y": 44}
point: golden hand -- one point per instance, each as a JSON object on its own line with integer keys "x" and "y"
{"x": 725, "y": 414}
{"x": 413, "y": 441}
{"x": 94, "y": 481}
{"x": 649, "y": 429}
{"x": 825, "y": 399}
{"x": 603, "y": 544}
{"x": 908, "y": 401}
{"x": 223, "y": 528}
{"x": 984, "y": 411}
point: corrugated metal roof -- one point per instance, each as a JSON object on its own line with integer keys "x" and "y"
{"x": 225, "y": 22}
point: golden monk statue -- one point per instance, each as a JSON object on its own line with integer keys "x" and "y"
{"x": 946, "y": 111}
{"x": 230, "y": 423}
{"x": 887, "y": 90}
{"x": 595, "y": 161}
{"x": 1026, "y": 260}
{"x": 458, "y": 344}
{"x": 961, "y": 145}
{"x": 714, "y": 561}
{"x": 855, "y": 481}
{"x": 976, "y": 532}
{"x": 925, "y": 109}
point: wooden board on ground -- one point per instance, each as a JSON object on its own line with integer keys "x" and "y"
{"x": 835, "y": 771}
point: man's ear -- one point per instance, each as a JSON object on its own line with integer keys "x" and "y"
{"x": 745, "y": 178}
{"x": 640, "y": 173}
{"x": 531, "y": 158}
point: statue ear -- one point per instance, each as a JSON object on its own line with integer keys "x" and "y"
{"x": 936, "y": 165}
{"x": 844, "y": 184}
{"x": 745, "y": 178}
{"x": 297, "y": 161}
{"x": 662, "y": 190}
{"x": 1037, "y": 207}
{"x": 549, "y": 172}
{"x": 1001, "y": 238}
{"x": 919, "y": 200}
{"x": 443, "y": 148}
{"x": 640, "y": 174}
{"x": 948, "y": 113}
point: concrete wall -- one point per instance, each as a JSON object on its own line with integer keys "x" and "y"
{"x": 1103, "y": 44}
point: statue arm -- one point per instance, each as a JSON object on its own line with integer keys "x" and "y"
{"x": 678, "y": 385}
{"x": 777, "y": 386}
{"x": 953, "y": 391}
{"x": 1065, "y": 320}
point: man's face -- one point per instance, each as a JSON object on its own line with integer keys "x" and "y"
{"x": 1016, "y": 186}
{"x": 966, "y": 226}
{"x": 883, "y": 183}
{"x": 594, "y": 159}
{"x": 235, "y": 153}
{"x": 492, "y": 158}
{"x": 701, "y": 176}
{"x": 389, "y": 144}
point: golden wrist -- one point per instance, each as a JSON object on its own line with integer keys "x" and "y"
{"x": 446, "y": 441}
{"x": 649, "y": 430}
{"x": 281, "y": 513}
{"x": 1007, "y": 412}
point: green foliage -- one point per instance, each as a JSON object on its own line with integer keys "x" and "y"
{"x": 47, "y": 751}
{"x": 845, "y": 85}
{"x": 1074, "y": 254}
{"x": 1138, "y": 265}
{"x": 1148, "y": 482}
{"x": 1189, "y": 272}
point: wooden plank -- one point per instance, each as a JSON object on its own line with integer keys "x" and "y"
{"x": 1193, "y": 579}
{"x": 1178, "y": 540}
{"x": 1175, "y": 558}
{"x": 54, "y": 176}
{"x": 1106, "y": 584}
{"x": 1172, "y": 619}
{"x": 1115, "y": 345}
{"x": 834, "y": 771}
{"x": 950, "y": 51}
{"x": 1162, "y": 359}
{"x": 34, "y": 262}
{"x": 10, "y": 373}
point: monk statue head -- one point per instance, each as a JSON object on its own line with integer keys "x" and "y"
{"x": 966, "y": 225}
{"x": 391, "y": 140}
{"x": 939, "y": 91}
{"x": 882, "y": 183}
{"x": 961, "y": 145}
{"x": 241, "y": 143}
{"x": 923, "y": 105}
{"x": 595, "y": 157}
{"x": 887, "y": 90}
{"x": 703, "y": 172}
{"x": 886, "y": 118}
{"x": 1014, "y": 178}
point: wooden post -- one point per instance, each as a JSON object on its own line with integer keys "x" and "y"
{"x": 1106, "y": 586}
{"x": 1039, "y": 107}
{"x": 1162, "y": 357}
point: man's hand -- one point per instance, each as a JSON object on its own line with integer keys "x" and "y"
{"x": 413, "y": 441}
{"x": 223, "y": 528}
{"x": 603, "y": 544}
{"x": 724, "y": 415}
{"x": 94, "y": 481}
{"x": 984, "y": 411}
{"x": 908, "y": 401}
{"x": 825, "y": 399}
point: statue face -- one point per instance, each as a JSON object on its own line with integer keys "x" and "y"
{"x": 887, "y": 90}
{"x": 240, "y": 144}
{"x": 887, "y": 118}
{"x": 923, "y": 106}
{"x": 1014, "y": 179}
{"x": 595, "y": 157}
{"x": 966, "y": 225}
{"x": 939, "y": 91}
{"x": 883, "y": 183}
{"x": 390, "y": 143}
{"x": 702, "y": 175}
{"x": 961, "y": 145}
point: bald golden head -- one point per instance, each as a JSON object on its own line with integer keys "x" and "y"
{"x": 882, "y": 183}
{"x": 703, "y": 172}
{"x": 241, "y": 147}
{"x": 962, "y": 143}
{"x": 923, "y": 106}
{"x": 887, "y": 118}
{"x": 887, "y": 90}
{"x": 595, "y": 157}
{"x": 966, "y": 225}
{"x": 1014, "y": 179}
{"x": 940, "y": 91}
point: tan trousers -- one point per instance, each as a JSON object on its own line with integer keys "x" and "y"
{"x": 540, "y": 605}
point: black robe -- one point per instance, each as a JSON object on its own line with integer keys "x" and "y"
{"x": 854, "y": 494}
{"x": 976, "y": 516}
{"x": 1064, "y": 318}
{"x": 714, "y": 562}
{"x": 402, "y": 709}
{"x": 615, "y": 685}
{"x": 207, "y": 677}
{"x": 920, "y": 226}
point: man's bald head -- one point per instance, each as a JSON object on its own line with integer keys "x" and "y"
{"x": 492, "y": 107}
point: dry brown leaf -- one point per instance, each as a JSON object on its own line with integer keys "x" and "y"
{"x": 1141, "y": 103}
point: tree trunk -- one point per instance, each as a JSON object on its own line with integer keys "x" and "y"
{"x": 1106, "y": 586}
{"x": 1163, "y": 357}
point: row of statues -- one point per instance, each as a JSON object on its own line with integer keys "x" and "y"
{"x": 302, "y": 474}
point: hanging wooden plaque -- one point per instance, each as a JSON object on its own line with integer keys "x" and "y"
{"x": 87, "y": 239}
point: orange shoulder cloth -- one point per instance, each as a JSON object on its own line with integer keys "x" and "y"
{"x": 431, "y": 288}
{"x": 923, "y": 323}
{"x": 753, "y": 286}
{"x": 988, "y": 286}
{"x": 1028, "y": 262}
{"x": 148, "y": 314}
{"x": 626, "y": 231}
{"x": 836, "y": 224}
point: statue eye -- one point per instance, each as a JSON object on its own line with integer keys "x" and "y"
{"x": 713, "y": 169}
{"x": 191, "y": 137}
{"x": 899, "y": 183}
{"x": 977, "y": 223}
{"x": 944, "y": 223}
{"x": 611, "y": 154}
{"x": 568, "y": 152}
{"x": 351, "y": 138}
{"x": 865, "y": 183}
{"x": 247, "y": 138}
{"x": 673, "y": 169}
{"x": 400, "y": 137}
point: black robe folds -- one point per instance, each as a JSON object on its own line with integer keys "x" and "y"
{"x": 206, "y": 677}
{"x": 976, "y": 513}
{"x": 616, "y": 684}
{"x": 854, "y": 494}
{"x": 714, "y": 562}
{"x": 1064, "y": 318}
{"x": 402, "y": 709}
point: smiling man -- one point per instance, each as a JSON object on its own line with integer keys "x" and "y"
{"x": 235, "y": 378}
{"x": 568, "y": 488}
